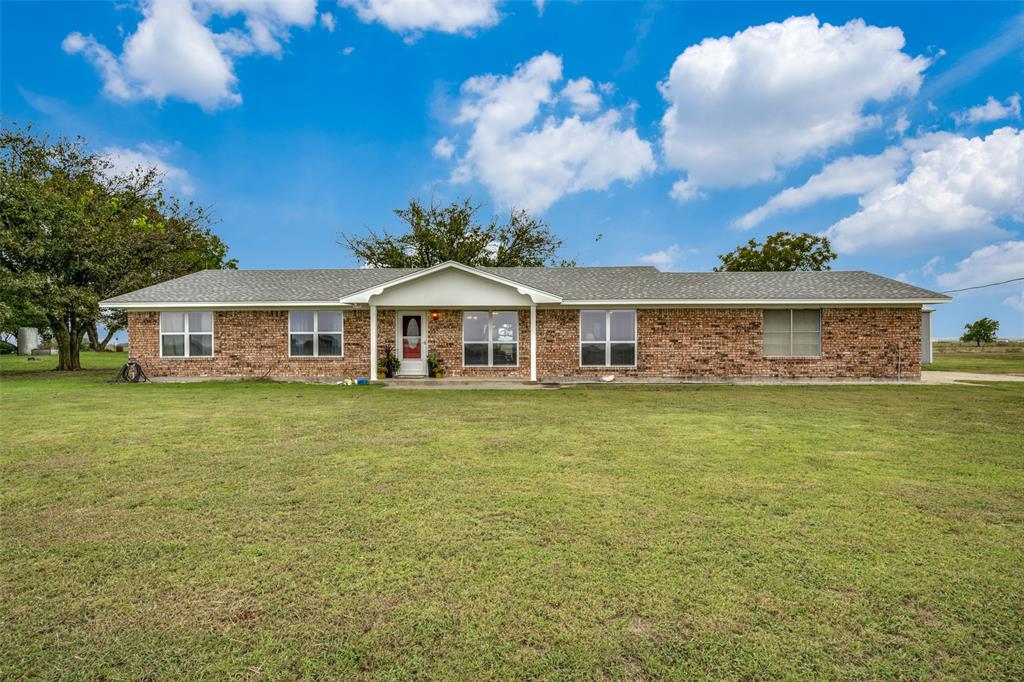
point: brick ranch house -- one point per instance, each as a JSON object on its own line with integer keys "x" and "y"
{"x": 529, "y": 323}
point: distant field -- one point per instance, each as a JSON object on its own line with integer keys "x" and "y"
{"x": 1001, "y": 358}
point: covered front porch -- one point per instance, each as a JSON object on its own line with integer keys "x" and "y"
{"x": 477, "y": 325}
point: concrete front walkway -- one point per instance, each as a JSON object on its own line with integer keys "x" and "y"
{"x": 415, "y": 383}
{"x": 931, "y": 377}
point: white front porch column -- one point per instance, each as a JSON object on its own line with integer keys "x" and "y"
{"x": 533, "y": 342}
{"x": 373, "y": 342}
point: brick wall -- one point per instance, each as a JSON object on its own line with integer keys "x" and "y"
{"x": 710, "y": 343}
{"x": 251, "y": 344}
{"x": 727, "y": 342}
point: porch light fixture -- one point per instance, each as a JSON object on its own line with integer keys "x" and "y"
{"x": 435, "y": 315}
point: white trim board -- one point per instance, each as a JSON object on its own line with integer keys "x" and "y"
{"x": 750, "y": 303}
{"x": 232, "y": 305}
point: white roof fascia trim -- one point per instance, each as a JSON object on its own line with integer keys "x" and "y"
{"x": 761, "y": 301}
{"x": 224, "y": 304}
{"x": 536, "y": 295}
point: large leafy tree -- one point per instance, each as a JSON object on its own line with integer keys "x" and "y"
{"x": 72, "y": 233}
{"x": 780, "y": 252}
{"x": 980, "y": 331}
{"x": 435, "y": 234}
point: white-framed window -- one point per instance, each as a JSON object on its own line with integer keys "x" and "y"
{"x": 316, "y": 334}
{"x": 186, "y": 335}
{"x": 490, "y": 338}
{"x": 792, "y": 333}
{"x": 607, "y": 338}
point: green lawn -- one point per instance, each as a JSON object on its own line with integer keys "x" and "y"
{"x": 41, "y": 363}
{"x": 259, "y": 530}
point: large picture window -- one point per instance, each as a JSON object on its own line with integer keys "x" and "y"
{"x": 608, "y": 338}
{"x": 315, "y": 333}
{"x": 490, "y": 339}
{"x": 186, "y": 335}
{"x": 792, "y": 333}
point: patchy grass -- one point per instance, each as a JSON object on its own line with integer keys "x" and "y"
{"x": 289, "y": 530}
{"x": 1003, "y": 358}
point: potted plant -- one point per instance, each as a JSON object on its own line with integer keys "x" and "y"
{"x": 435, "y": 365}
{"x": 388, "y": 363}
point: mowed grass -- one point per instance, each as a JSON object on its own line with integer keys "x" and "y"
{"x": 999, "y": 359}
{"x": 259, "y": 530}
{"x": 16, "y": 364}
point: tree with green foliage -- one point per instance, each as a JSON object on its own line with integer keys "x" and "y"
{"x": 435, "y": 234}
{"x": 780, "y": 252}
{"x": 980, "y": 331}
{"x": 73, "y": 232}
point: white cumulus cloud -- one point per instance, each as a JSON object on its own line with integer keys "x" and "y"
{"x": 124, "y": 160}
{"x": 991, "y": 110}
{"x": 174, "y": 54}
{"x": 1015, "y": 301}
{"x": 956, "y": 191}
{"x": 845, "y": 176}
{"x": 580, "y": 92}
{"x": 413, "y": 17}
{"x": 444, "y": 149}
{"x": 742, "y": 107}
{"x": 992, "y": 263}
{"x": 663, "y": 259}
{"x": 529, "y": 156}
{"x": 327, "y": 21}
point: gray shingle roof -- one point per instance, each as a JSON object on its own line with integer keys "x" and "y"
{"x": 258, "y": 286}
{"x": 571, "y": 284}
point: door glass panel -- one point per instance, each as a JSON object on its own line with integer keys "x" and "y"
{"x": 412, "y": 349}
{"x": 410, "y": 325}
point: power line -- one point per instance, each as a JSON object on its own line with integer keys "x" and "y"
{"x": 982, "y": 286}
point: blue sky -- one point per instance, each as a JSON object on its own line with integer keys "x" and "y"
{"x": 675, "y": 131}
